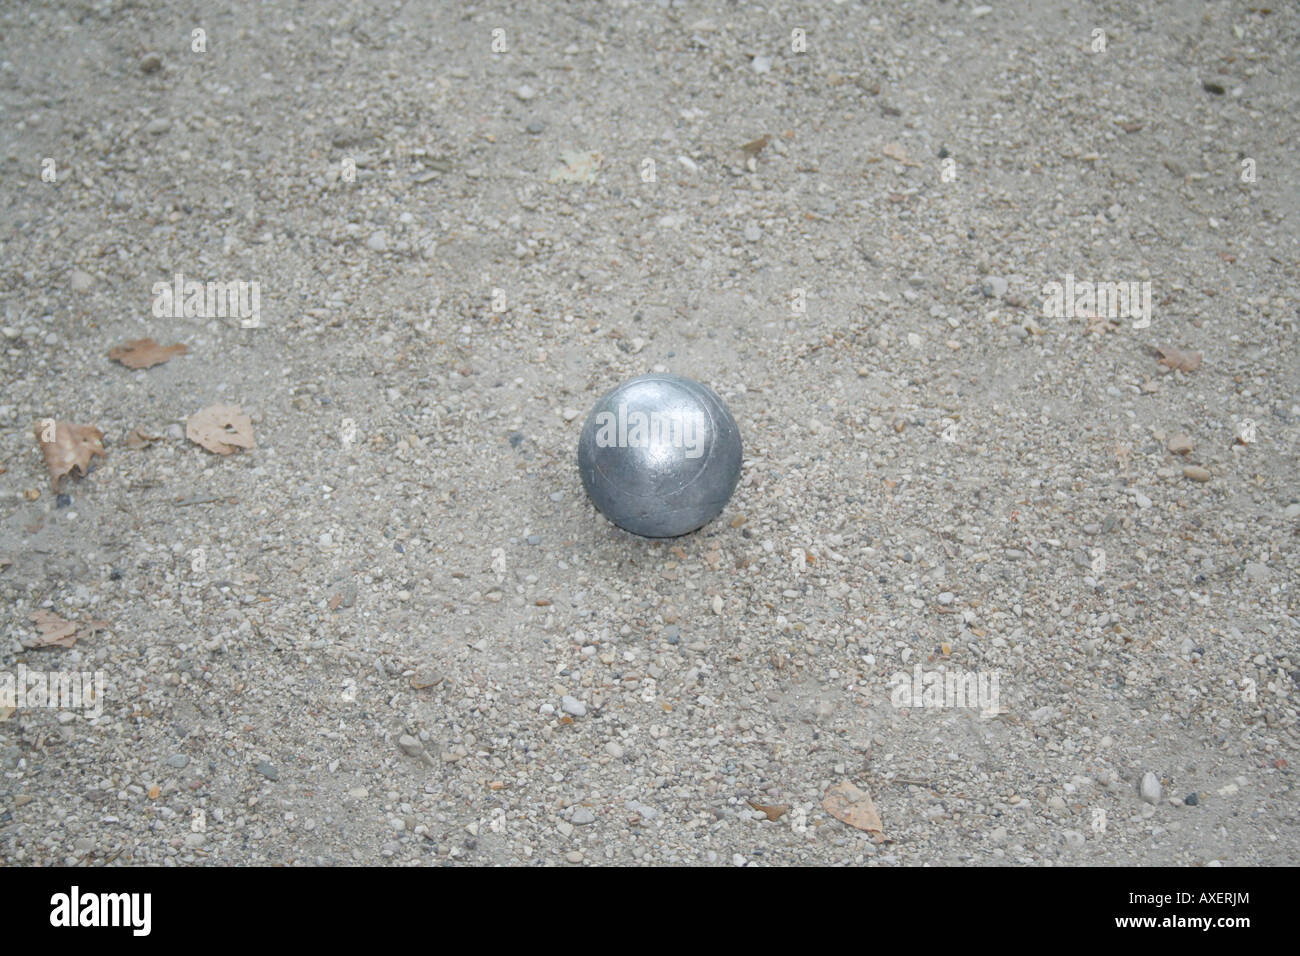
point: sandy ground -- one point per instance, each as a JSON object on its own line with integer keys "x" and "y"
{"x": 353, "y": 641}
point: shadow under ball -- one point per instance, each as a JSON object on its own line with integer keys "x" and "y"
{"x": 660, "y": 455}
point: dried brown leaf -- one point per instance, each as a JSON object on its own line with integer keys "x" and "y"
{"x": 1177, "y": 358}
{"x": 220, "y": 429}
{"x": 898, "y": 154}
{"x": 55, "y": 631}
{"x": 144, "y": 353}
{"x": 773, "y": 812}
{"x": 853, "y": 806}
{"x": 138, "y": 438}
{"x": 67, "y": 446}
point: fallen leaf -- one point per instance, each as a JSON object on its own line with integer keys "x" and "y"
{"x": 853, "y": 806}
{"x": 774, "y": 812}
{"x": 577, "y": 167}
{"x": 896, "y": 152}
{"x": 137, "y": 438}
{"x": 55, "y": 631}
{"x": 144, "y": 353}
{"x": 220, "y": 429}
{"x": 1177, "y": 358}
{"x": 72, "y": 447}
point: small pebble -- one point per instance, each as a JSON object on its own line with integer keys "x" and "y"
{"x": 1150, "y": 788}
{"x": 994, "y": 287}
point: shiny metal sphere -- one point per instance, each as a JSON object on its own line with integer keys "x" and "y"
{"x": 660, "y": 455}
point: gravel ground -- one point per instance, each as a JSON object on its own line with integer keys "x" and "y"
{"x": 395, "y": 631}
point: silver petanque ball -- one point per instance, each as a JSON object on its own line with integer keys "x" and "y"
{"x": 660, "y": 455}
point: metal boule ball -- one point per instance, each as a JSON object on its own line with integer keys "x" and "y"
{"x": 660, "y": 455}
